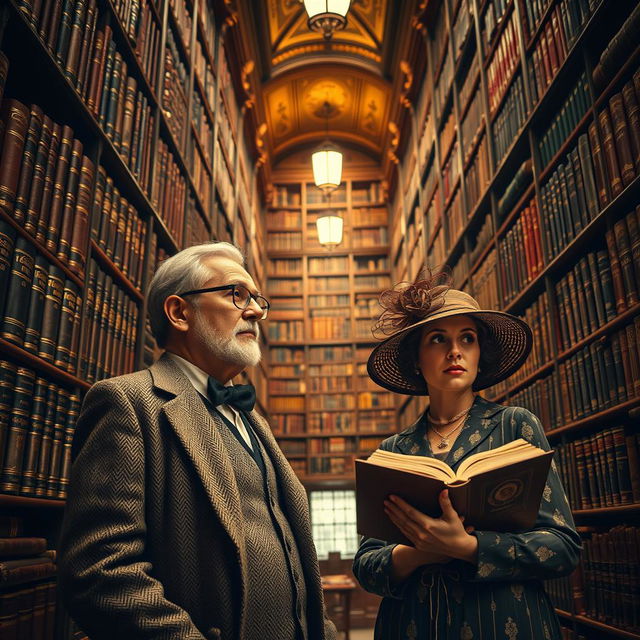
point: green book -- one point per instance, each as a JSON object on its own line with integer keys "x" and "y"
{"x": 47, "y": 439}
{"x": 7, "y": 385}
{"x": 10, "y": 476}
{"x": 18, "y": 292}
{"x": 7, "y": 243}
{"x": 36, "y": 304}
{"x": 51, "y": 314}
{"x": 34, "y": 438}
{"x": 62, "y": 356}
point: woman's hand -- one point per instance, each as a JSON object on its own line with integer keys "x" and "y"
{"x": 405, "y": 560}
{"x": 443, "y": 536}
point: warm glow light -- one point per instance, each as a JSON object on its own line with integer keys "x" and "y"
{"x": 327, "y": 16}
{"x": 329, "y": 230}
{"x": 327, "y": 169}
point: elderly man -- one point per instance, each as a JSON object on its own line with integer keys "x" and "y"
{"x": 184, "y": 520}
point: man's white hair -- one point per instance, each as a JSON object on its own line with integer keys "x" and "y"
{"x": 184, "y": 271}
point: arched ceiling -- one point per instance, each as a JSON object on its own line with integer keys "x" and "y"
{"x": 299, "y": 71}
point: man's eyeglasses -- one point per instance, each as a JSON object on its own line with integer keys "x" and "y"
{"x": 241, "y": 296}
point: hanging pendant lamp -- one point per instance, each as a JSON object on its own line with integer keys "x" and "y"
{"x": 327, "y": 16}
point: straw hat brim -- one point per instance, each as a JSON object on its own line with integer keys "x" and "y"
{"x": 391, "y": 366}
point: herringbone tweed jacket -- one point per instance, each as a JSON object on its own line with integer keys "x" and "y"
{"x": 152, "y": 539}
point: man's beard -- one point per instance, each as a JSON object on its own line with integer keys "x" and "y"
{"x": 245, "y": 353}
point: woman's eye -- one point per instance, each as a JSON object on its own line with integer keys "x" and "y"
{"x": 437, "y": 339}
{"x": 469, "y": 338}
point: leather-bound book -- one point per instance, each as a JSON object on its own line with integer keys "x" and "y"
{"x": 80, "y": 229}
{"x": 75, "y": 336}
{"x": 610, "y": 155}
{"x": 616, "y": 272}
{"x": 606, "y": 280}
{"x": 4, "y": 71}
{"x": 78, "y": 24}
{"x": 101, "y": 179}
{"x": 15, "y": 116}
{"x": 622, "y": 140}
{"x": 476, "y": 489}
{"x": 598, "y": 165}
{"x": 64, "y": 31}
{"x": 34, "y": 439}
{"x": 88, "y": 37}
{"x": 26, "y": 169}
{"x": 96, "y": 62}
{"x": 588, "y": 180}
{"x": 59, "y": 424}
{"x": 19, "y": 422}
{"x": 47, "y": 438}
{"x": 62, "y": 357}
{"x": 51, "y": 314}
{"x": 52, "y": 27}
{"x": 632, "y": 111}
{"x": 623, "y": 245}
{"x": 7, "y": 384}
{"x": 7, "y": 243}
{"x": 127, "y": 119}
{"x": 58, "y": 189}
{"x": 37, "y": 181}
{"x": 68, "y": 210}
{"x": 36, "y": 304}
{"x": 18, "y": 291}
{"x": 65, "y": 460}
{"x": 47, "y": 189}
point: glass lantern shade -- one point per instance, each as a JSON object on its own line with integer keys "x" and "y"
{"x": 327, "y": 16}
{"x": 327, "y": 169}
{"x": 329, "y": 230}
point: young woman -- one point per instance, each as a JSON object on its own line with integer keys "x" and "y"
{"x": 454, "y": 582}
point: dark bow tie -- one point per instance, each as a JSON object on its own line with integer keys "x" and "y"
{"x": 241, "y": 397}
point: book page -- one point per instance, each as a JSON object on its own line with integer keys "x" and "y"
{"x": 503, "y": 456}
{"x": 430, "y": 467}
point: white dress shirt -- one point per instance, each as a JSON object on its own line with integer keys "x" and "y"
{"x": 199, "y": 379}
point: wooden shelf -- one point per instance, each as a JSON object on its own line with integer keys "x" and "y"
{"x": 10, "y": 501}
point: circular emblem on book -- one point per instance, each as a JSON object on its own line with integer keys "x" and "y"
{"x": 506, "y": 492}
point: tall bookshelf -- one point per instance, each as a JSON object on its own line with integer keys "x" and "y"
{"x": 520, "y": 172}
{"x": 149, "y": 157}
{"x": 324, "y": 410}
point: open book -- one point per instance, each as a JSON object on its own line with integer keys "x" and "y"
{"x": 496, "y": 490}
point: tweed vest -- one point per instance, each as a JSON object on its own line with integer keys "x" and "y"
{"x": 276, "y": 591}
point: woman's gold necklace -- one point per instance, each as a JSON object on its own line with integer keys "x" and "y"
{"x": 444, "y": 439}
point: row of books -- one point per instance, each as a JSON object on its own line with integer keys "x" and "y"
{"x": 277, "y": 266}
{"x": 450, "y": 174}
{"x": 485, "y": 282}
{"x": 29, "y": 610}
{"x": 490, "y": 21}
{"x": 520, "y": 252}
{"x": 333, "y": 264}
{"x": 329, "y": 328}
{"x": 287, "y": 386}
{"x": 169, "y": 191}
{"x": 472, "y": 125}
{"x": 139, "y": 23}
{"x": 482, "y": 239}
{"x": 204, "y": 73}
{"x": 332, "y": 466}
{"x": 361, "y": 217}
{"x": 118, "y": 229}
{"x": 286, "y": 219}
{"x": 600, "y": 470}
{"x": 330, "y": 383}
{"x": 183, "y": 19}
{"x": 40, "y": 308}
{"x": 111, "y": 327}
{"x": 331, "y": 401}
{"x": 509, "y": 119}
{"x": 334, "y": 444}
{"x": 282, "y": 241}
{"x": 366, "y": 192}
{"x": 46, "y": 183}
{"x": 38, "y": 418}
{"x": 198, "y": 161}
{"x": 562, "y": 26}
{"x": 502, "y": 64}
{"x": 284, "y": 286}
{"x": 569, "y": 197}
{"x": 478, "y": 174}
{"x": 286, "y": 330}
{"x": 565, "y": 121}
{"x": 196, "y": 229}
{"x": 455, "y": 220}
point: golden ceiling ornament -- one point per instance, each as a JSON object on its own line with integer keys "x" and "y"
{"x": 394, "y": 143}
{"x": 327, "y": 16}
{"x": 260, "y": 145}
{"x": 405, "y": 67}
{"x": 247, "y": 69}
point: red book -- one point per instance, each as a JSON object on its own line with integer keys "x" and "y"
{"x": 15, "y": 115}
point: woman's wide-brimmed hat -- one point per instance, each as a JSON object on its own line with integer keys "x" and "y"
{"x": 392, "y": 361}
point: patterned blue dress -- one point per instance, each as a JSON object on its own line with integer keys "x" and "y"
{"x": 503, "y": 596}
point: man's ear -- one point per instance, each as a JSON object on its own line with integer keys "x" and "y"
{"x": 179, "y": 313}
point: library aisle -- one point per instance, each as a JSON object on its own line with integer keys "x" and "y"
{"x": 497, "y": 138}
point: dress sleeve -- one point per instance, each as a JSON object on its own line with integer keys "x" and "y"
{"x": 552, "y": 548}
{"x": 105, "y": 578}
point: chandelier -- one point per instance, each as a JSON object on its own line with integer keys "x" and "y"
{"x": 327, "y": 16}
{"x": 329, "y": 230}
{"x": 327, "y": 161}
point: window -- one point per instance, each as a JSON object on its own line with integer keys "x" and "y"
{"x": 333, "y": 518}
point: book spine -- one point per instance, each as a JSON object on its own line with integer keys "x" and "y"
{"x": 7, "y": 385}
{"x": 42, "y": 224}
{"x": 34, "y": 439}
{"x": 633, "y": 116}
{"x": 18, "y": 292}
{"x": 16, "y": 118}
{"x": 36, "y": 304}
{"x": 62, "y": 356}
{"x": 615, "y": 179}
{"x": 28, "y": 159}
{"x": 58, "y": 191}
{"x": 598, "y": 163}
{"x": 80, "y": 229}
{"x": 18, "y": 429}
{"x": 616, "y": 272}
{"x": 622, "y": 140}
{"x": 47, "y": 438}
{"x": 7, "y": 243}
{"x": 51, "y": 314}
{"x": 623, "y": 246}
{"x": 59, "y": 424}
{"x": 37, "y": 183}
{"x": 70, "y": 196}
{"x": 65, "y": 463}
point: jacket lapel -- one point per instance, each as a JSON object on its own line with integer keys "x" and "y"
{"x": 198, "y": 433}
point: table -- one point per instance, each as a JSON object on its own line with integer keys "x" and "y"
{"x": 340, "y": 585}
